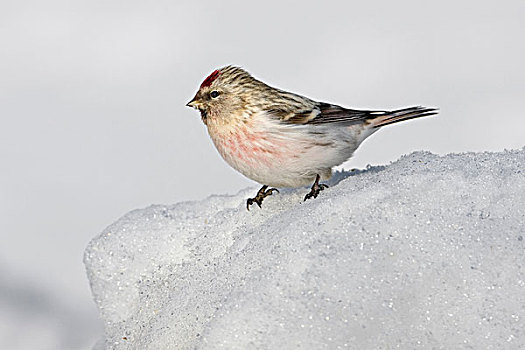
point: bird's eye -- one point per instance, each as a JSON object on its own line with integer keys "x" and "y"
{"x": 214, "y": 94}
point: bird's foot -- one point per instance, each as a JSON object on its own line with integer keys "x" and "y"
{"x": 316, "y": 188}
{"x": 263, "y": 193}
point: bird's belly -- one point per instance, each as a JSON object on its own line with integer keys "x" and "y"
{"x": 274, "y": 160}
{"x": 255, "y": 155}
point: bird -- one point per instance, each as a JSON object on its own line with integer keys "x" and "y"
{"x": 282, "y": 139}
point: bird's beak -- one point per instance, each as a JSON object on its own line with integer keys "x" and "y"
{"x": 193, "y": 103}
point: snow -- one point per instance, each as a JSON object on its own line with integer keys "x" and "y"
{"x": 427, "y": 252}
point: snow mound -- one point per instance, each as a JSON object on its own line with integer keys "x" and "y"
{"x": 427, "y": 252}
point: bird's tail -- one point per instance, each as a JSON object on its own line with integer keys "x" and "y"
{"x": 387, "y": 118}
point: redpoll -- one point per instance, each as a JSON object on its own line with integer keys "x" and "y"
{"x": 281, "y": 139}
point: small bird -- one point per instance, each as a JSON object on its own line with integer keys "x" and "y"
{"x": 282, "y": 139}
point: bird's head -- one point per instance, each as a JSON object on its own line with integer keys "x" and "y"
{"x": 224, "y": 93}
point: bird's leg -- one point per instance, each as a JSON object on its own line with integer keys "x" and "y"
{"x": 316, "y": 188}
{"x": 263, "y": 193}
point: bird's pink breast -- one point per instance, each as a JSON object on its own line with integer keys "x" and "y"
{"x": 270, "y": 155}
{"x": 240, "y": 144}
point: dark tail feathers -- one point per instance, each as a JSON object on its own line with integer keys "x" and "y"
{"x": 399, "y": 115}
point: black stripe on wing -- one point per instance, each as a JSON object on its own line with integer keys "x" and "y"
{"x": 335, "y": 114}
{"x": 325, "y": 113}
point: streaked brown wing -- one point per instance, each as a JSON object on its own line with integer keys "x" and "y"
{"x": 324, "y": 113}
{"x": 335, "y": 114}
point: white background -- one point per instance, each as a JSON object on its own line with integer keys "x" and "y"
{"x": 94, "y": 123}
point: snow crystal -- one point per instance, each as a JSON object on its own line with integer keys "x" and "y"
{"x": 427, "y": 252}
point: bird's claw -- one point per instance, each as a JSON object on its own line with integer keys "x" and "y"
{"x": 316, "y": 188}
{"x": 263, "y": 193}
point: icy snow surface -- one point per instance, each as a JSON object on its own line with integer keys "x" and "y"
{"x": 427, "y": 252}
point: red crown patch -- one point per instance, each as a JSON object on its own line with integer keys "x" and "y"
{"x": 210, "y": 79}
